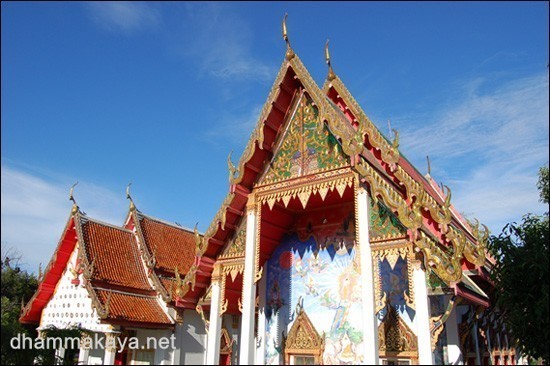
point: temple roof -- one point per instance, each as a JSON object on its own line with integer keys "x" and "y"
{"x": 173, "y": 246}
{"x": 434, "y": 226}
{"x": 126, "y": 307}
{"x": 115, "y": 254}
{"x": 112, "y": 270}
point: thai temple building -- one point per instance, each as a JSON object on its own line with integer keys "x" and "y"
{"x": 329, "y": 248}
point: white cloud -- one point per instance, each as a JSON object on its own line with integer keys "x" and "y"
{"x": 124, "y": 16}
{"x": 219, "y": 41}
{"x": 488, "y": 145}
{"x": 236, "y": 129}
{"x": 35, "y": 210}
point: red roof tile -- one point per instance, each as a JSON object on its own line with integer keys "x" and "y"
{"x": 115, "y": 255}
{"x": 133, "y": 308}
{"x": 172, "y": 246}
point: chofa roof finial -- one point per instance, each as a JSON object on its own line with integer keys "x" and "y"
{"x": 71, "y": 198}
{"x": 289, "y": 51}
{"x": 330, "y": 75}
{"x": 132, "y": 205}
{"x": 429, "y": 167}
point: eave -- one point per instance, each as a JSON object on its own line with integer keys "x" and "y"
{"x": 32, "y": 312}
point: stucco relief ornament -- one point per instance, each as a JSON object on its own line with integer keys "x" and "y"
{"x": 76, "y": 271}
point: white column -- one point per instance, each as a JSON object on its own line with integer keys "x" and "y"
{"x": 246, "y": 354}
{"x": 278, "y": 327}
{"x": 476, "y": 340}
{"x": 370, "y": 323}
{"x": 422, "y": 318}
{"x": 59, "y": 356}
{"x": 260, "y": 338}
{"x": 110, "y": 348}
{"x": 178, "y": 352}
{"x": 500, "y": 357}
{"x": 84, "y": 351}
{"x": 453, "y": 340}
{"x": 215, "y": 325}
{"x": 489, "y": 347}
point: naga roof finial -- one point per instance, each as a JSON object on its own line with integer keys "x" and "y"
{"x": 71, "y": 198}
{"x": 330, "y": 75}
{"x": 289, "y": 51}
{"x": 132, "y": 205}
{"x": 429, "y": 167}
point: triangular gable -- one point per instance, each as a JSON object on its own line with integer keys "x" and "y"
{"x": 291, "y": 80}
{"x": 52, "y": 274}
{"x": 306, "y": 146}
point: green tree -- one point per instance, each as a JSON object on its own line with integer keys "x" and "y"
{"x": 16, "y": 286}
{"x": 521, "y": 278}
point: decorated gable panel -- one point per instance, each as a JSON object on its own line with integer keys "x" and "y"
{"x": 307, "y": 147}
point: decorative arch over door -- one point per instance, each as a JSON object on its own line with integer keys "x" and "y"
{"x": 396, "y": 340}
{"x": 303, "y": 345}
{"x": 226, "y": 348}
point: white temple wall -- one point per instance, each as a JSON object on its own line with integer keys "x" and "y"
{"x": 194, "y": 339}
{"x": 71, "y": 304}
{"x": 159, "y": 356}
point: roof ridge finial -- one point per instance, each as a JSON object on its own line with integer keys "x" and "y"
{"x": 71, "y": 198}
{"x": 289, "y": 52}
{"x": 132, "y": 205}
{"x": 429, "y": 166}
{"x": 331, "y": 76}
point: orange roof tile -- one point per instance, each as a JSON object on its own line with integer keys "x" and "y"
{"x": 115, "y": 254}
{"x": 172, "y": 246}
{"x": 133, "y": 308}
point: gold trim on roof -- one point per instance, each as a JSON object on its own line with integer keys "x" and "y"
{"x": 304, "y": 188}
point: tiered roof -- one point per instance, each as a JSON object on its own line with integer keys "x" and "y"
{"x": 167, "y": 249}
{"x": 121, "y": 275}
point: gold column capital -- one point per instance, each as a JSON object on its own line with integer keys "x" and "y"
{"x": 417, "y": 263}
{"x": 251, "y": 204}
{"x": 217, "y": 273}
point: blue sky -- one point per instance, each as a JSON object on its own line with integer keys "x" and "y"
{"x": 158, "y": 94}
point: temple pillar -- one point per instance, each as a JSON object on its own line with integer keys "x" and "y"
{"x": 476, "y": 340}
{"x": 215, "y": 323}
{"x": 260, "y": 338}
{"x": 370, "y": 322}
{"x": 59, "y": 356}
{"x": 454, "y": 354}
{"x": 246, "y": 354}
{"x": 84, "y": 351}
{"x": 489, "y": 347}
{"x": 422, "y": 318}
{"x": 500, "y": 357}
{"x": 110, "y": 348}
{"x": 179, "y": 331}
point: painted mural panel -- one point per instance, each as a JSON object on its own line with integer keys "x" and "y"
{"x": 396, "y": 319}
{"x": 328, "y": 281}
{"x": 305, "y": 148}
